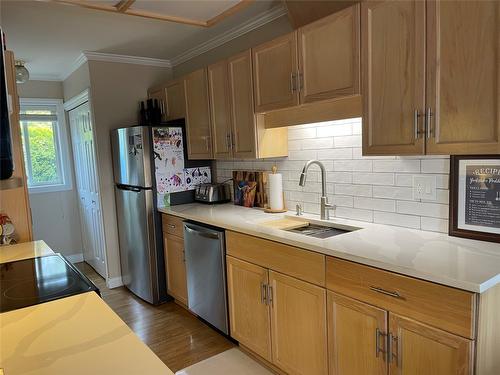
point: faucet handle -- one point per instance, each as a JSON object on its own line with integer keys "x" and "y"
{"x": 298, "y": 208}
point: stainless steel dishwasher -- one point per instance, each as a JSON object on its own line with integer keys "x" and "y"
{"x": 206, "y": 273}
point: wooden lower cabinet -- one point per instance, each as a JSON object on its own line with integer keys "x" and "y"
{"x": 280, "y": 318}
{"x": 248, "y": 311}
{"x": 175, "y": 266}
{"x": 356, "y": 337}
{"x": 298, "y": 325}
{"x": 421, "y": 349}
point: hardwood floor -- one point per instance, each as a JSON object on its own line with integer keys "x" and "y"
{"x": 177, "y": 337}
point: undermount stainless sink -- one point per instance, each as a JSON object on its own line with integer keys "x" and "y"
{"x": 321, "y": 231}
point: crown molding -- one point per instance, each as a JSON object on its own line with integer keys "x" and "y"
{"x": 125, "y": 59}
{"x": 45, "y": 77}
{"x": 244, "y": 28}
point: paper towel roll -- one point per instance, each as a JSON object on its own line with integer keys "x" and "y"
{"x": 275, "y": 191}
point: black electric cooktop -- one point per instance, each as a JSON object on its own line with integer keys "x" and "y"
{"x": 37, "y": 280}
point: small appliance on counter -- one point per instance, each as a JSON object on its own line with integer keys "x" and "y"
{"x": 213, "y": 193}
{"x": 33, "y": 281}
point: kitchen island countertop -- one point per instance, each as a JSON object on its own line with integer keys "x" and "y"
{"x": 457, "y": 262}
{"x": 76, "y": 335}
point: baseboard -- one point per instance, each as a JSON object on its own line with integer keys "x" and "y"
{"x": 75, "y": 258}
{"x": 114, "y": 282}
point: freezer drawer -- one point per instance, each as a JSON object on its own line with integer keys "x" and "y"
{"x": 206, "y": 274}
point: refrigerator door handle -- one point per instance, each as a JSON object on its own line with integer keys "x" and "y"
{"x": 210, "y": 235}
{"x": 129, "y": 188}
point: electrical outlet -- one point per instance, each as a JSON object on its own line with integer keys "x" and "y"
{"x": 424, "y": 187}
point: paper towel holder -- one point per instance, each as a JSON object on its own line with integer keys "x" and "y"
{"x": 274, "y": 169}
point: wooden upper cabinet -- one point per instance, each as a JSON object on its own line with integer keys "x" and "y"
{"x": 420, "y": 349}
{"x": 393, "y": 76}
{"x": 298, "y": 325}
{"x": 463, "y": 78}
{"x": 274, "y": 73}
{"x": 175, "y": 102}
{"x": 242, "y": 108}
{"x": 354, "y": 331}
{"x": 199, "y": 140}
{"x": 329, "y": 56}
{"x": 220, "y": 114}
{"x": 248, "y": 312}
{"x": 160, "y": 95}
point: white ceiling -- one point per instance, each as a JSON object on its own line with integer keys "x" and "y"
{"x": 50, "y": 36}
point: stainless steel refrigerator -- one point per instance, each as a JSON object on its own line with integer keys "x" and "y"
{"x": 139, "y": 224}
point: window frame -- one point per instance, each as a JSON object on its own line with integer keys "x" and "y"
{"x": 61, "y": 142}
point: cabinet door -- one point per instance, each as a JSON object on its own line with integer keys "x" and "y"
{"x": 463, "y": 80}
{"x": 419, "y": 349}
{"x": 199, "y": 139}
{"x": 176, "y": 267}
{"x": 298, "y": 325}
{"x": 175, "y": 107}
{"x": 393, "y": 76}
{"x": 220, "y": 114}
{"x": 160, "y": 95}
{"x": 242, "y": 109}
{"x": 275, "y": 74}
{"x": 248, "y": 311}
{"x": 356, "y": 337}
{"x": 329, "y": 56}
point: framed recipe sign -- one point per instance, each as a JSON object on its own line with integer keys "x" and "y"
{"x": 475, "y": 197}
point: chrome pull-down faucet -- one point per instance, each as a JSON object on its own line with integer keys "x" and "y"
{"x": 325, "y": 206}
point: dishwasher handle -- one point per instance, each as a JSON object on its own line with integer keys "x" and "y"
{"x": 201, "y": 233}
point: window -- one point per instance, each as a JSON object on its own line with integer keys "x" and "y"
{"x": 45, "y": 145}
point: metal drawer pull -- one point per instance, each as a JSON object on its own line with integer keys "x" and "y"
{"x": 263, "y": 293}
{"x": 390, "y": 355}
{"x": 416, "y": 115}
{"x": 386, "y": 292}
{"x": 428, "y": 115}
{"x": 379, "y": 350}
{"x": 270, "y": 295}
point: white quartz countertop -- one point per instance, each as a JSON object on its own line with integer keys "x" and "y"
{"x": 76, "y": 335}
{"x": 457, "y": 262}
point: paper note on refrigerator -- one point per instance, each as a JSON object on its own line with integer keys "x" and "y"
{"x": 168, "y": 151}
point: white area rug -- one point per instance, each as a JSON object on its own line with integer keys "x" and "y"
{"x": 232, "y": 361}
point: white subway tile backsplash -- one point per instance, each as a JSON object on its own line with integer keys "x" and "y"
{"x": 436, "y": 166}
{"x": 374, "y": 178}
{"x": 423, "y": 209}
{"x": 301, "y": 133}
{"x": 389, "y": 218}
{"x": 375, "y": 204}
{"x": 334, "y": 130}
{"x": 347, "y": 141}
{"x": 368, "y": 188}
{"x": 393, "y": 192}
{"x": 357, "y": 190}
{"x": 396, "y": 166}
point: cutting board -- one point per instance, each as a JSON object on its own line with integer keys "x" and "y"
{"x": 285, "y": 224}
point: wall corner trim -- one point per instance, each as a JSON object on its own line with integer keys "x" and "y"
{"x": 114, "y": 282}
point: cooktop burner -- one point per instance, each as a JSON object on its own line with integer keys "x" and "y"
{"x": 32, "y": 281}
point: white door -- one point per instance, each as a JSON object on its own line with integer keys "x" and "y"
{"x": 88, "y": 187}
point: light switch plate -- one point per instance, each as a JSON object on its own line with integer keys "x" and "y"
{"x": 424, "y": 187}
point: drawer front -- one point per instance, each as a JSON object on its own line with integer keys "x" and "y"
{"x": 173, "y": 225}
{"x": 302, "y": 264}
{"x": 447, "y": 308}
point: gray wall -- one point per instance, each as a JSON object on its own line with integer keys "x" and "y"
{"x": 116, "y": 90}
{"x": 77, "y": 81}
{"x": 279, "y": 26}
{"x": 56, "y": 218}
{"x": 41, "y": 89}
